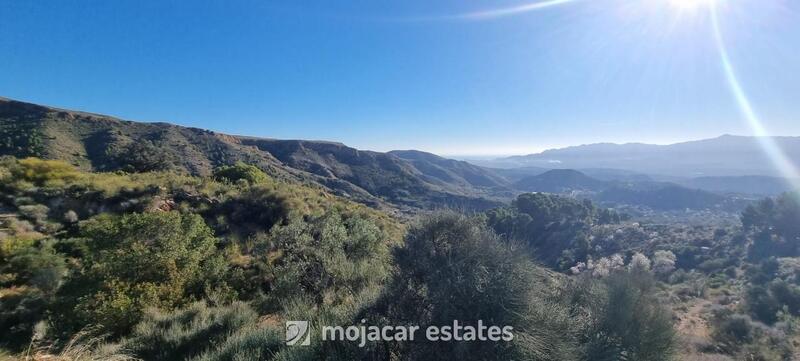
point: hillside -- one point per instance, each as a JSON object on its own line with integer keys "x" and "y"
{"x": 103, "y": 143}
{"x": 662, "y": 196}
{"x": 757, "y": 185}
{"x": 667, "y": 196}
{"x": 726, "y": 155}
{"x": 560, "y": 181}
{"x": 451, "y": 172}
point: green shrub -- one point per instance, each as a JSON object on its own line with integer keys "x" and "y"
{"x": 454, "y": 268}
{"x": 133, "y": 262}
{"x": 764, "y": 302}
{"x": 34, "y": 212}
{"x": 36, "y": 266}
{"x": 327, "y": 259}
{"x": 252, "y": 344}
{"x": 241, "y": 171}
{"x": 143, "y": 156}
{"x": 20, "y": 310}
{"x": 41, "y": 171}
{"x": 627, "y": 321}
{"x": 187, "y": 332}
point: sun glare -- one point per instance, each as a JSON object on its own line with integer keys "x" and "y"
{"x": 690, "y": 5}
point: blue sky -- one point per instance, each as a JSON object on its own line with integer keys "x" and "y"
{"x": 382, "y": 75}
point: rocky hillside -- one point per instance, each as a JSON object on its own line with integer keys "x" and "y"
{"x": 103, "y": 143}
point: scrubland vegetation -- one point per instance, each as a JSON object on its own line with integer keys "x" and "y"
{"x": 160, "y": 265}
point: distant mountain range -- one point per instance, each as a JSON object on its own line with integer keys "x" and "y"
{"x": 726, "y": 155}
{"x": 651, "y": 175}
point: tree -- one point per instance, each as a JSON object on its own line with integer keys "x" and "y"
{"x": 773, "y": 222}
{"x": 556, "y": 228}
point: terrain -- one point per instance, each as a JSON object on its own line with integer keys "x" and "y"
{"x": 104, "y": 143}
{"x": 124, "y": 240}
{"x": 727, "y": 155}
{"x": 401, "y": 181}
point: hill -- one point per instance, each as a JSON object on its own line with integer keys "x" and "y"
{"x": 756, "y": 185}
{"x": 667, "y": 196}
{"x": 662, "y": 196}
{"x": 451, "y": 172}
{"x": 103, "y": 143}
{"x": 560, "y": 181}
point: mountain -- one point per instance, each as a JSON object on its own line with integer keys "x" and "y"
{"x": 441, "y": 170}
{"x": 619, "y": 175}
{"x": 560, "y": 181}
{"x": 103, "y": 143}
{"x": 516, "y": 174}
{"x": 755, "y": 185}
{"x": 727, "y": 155}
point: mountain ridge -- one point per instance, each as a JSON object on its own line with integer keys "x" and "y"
{"x": 104, "y": 143}
{"x": 726, "y": 155}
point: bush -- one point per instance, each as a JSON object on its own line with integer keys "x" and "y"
{"x": 36, "y": 266}
{"x": 133, "y": 262}
{"x": 143, "y": 156}
{"x": 453, "y": 268}
{"x": 36, "y": 213}
{"x": 326, "y": 259}
{"x": 241, "y": 171}
{"x": 254, "y": 344}
{"x": 257, "y": 209}
{"x": 738, "y": 335}
{"x": 627, "y": 321}
{"x": 40, "y": 172}
{"x": 764, "y": 303}
{"x": 187, "y": 332}
{"x": 20, "y": 310}
{"x": 663, "y": 262}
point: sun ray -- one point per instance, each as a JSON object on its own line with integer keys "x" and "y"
{"x": 773, "y": 151}
{"x": 494, "y": 13}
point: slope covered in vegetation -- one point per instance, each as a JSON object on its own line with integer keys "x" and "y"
{"x": 167, "y": 266}
{"x": 103, "y": 143}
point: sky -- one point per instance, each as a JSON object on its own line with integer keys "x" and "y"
{"x": 452, "y": 77}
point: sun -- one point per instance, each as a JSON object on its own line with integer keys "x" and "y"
{"x": 691, "y": 5}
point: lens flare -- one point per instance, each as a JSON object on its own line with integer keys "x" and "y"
{"x": 773, "y": 151}
{"x": 495, "y": 13}
{"x": 691, "y": 5}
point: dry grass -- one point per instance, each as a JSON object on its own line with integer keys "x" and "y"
{"x": 82, "y": 347}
